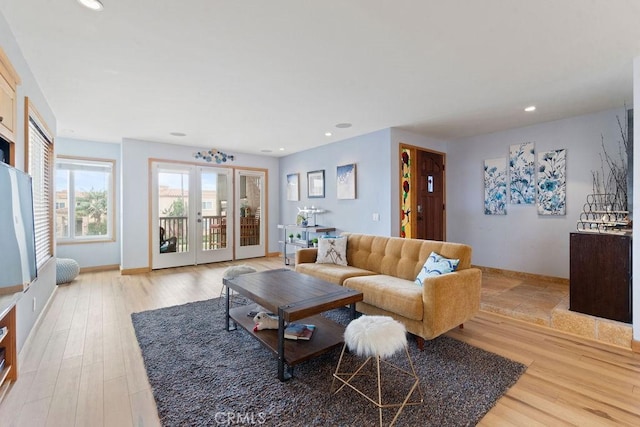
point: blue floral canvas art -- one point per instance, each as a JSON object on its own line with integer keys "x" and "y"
{"x": 552, "y": 182}
{"x": 495, "y": 186}
{"x": 522, "y": 172}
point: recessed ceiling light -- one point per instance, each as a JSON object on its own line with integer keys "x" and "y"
{"x": 178, "y": 134}
{"x": 343, "y": 125}
{"x": 327, "y": 134}
{"x": 530, "y": 108}
{"x": 92, "y": 4}
{"x": 281, "y": 148}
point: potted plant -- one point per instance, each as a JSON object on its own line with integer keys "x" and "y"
{"x": 315, "y": 242}
{"x": 298, "y": 236}
{"x": 291, "y": 237}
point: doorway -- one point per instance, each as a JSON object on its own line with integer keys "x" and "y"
{"x": 189, "y": 210}
{"x": 430, "y": 195}
{"x": 422, "y": 189}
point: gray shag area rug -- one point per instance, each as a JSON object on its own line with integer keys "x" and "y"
{"x": 203, "y": 375}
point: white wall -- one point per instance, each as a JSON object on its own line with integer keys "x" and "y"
{"x": 522, "y": 240}
{"x": 370, "y": 153}
{"x": 42, "y": 288}
{"x": 378, "y": 180}
{"x": 135, "y": 196}
{"x": 99, "y": 253}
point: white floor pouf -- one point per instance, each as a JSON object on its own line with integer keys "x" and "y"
{"x": 230, "y": 273}
{"x": 67, "y": 269}
{"x": 378, "y": 338}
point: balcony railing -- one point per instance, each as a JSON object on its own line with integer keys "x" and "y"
{"x": 214, "y": 231}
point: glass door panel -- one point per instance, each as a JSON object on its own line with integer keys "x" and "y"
{"x": 214, "y": 229}
{"x": 172, "y": 242}
{"x": 250, "y": 234}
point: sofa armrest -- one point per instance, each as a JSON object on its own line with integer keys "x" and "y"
{"x": 306, "y": 255}
{"x": 451, "y": 299}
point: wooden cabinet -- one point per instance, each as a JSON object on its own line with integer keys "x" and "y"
{"x": 9, "y": 81}
{"x": 7, "y": 109}
{"x": 600, "y": 275}
{"x": 9, "y": 371}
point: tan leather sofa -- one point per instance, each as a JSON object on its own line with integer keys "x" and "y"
{"x": 384, "y": 270}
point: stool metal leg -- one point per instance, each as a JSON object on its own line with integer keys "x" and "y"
{"x": 350, "y": 375}
{"x": 379, "y": 389}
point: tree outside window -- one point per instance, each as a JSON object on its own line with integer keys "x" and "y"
{"x": 84, "y": 199}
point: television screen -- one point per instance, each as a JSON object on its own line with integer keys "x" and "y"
{"x": 17, "y": 237}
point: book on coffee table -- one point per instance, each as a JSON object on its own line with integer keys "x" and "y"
{"x": 299, "y": 331}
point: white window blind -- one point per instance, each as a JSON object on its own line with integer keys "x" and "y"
{"x": 40, "y": 169}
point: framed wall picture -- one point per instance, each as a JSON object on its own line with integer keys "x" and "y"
{"x": 346, "y": 181}
{"x": 552, "y": 182}
{"x": 495, "y": 186}
{"x": 315, "y": 184}
{"x": 293, "y": 187}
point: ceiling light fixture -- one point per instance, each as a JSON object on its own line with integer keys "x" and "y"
{"x": 530, "y": 108}
{"x": 327, "y": 134}
{"x": 281, "y": 148}
{"x": 92, "y": 4}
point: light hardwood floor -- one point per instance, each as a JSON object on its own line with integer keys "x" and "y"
{"x": 82, "y": 365}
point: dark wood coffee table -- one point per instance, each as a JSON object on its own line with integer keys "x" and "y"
{"x": 294, "y": 297}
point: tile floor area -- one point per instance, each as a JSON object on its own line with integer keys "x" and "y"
{"x": 545, "y": 302}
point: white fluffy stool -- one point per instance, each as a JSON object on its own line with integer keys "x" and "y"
{"x": 377, "y": 337}
{"x": 230, "y": 273}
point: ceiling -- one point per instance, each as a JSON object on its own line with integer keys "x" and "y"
{"x": 250, "y": 76}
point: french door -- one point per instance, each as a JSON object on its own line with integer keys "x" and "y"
{"x": 250, "y": 221}
{"x": 189, "y": 213}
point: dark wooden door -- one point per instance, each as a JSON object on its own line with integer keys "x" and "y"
{"x": 430, "y": 197}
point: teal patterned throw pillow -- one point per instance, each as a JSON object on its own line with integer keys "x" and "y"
{"x": 436, "y": 265}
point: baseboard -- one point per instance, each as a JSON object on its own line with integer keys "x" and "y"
{"x": 521, "y": 275}
{"x": 635, "y": 346}
{"x": 98, "y": 268}
{"x": 12, "y": 289}
{"x": 131, "y": 271}
{"x": 273, "y": 254}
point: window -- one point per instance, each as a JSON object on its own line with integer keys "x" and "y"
{"x": 39, "y": 163}
{"x": 84, "y": 199}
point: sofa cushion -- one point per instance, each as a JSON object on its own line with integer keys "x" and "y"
{"x": 435, "y": 265}
{"x": 332, "y": 250}
{"x": 394, "y": 256}
{"x": 389, "y": 293}
{"x": 333, "y": 273}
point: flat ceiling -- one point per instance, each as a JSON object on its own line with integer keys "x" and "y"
{"x": 256, "y": 76}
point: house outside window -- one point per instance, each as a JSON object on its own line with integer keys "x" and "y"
{"x": 84, "y": 196}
